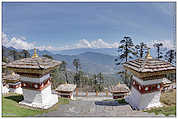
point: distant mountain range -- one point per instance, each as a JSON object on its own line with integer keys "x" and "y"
{"x": 92, "y": 60}
{"x": 108, "y": 51}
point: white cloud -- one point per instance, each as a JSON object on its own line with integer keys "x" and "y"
{"x": 166, "y": 43}
{"x": 96, "y": 44}
{"x": 22, "y": 43}
{"x": 100, "y": 44}
{"x": 87, "y": 44}
{"x": 5, "y": 39}
{"x": 44, "y": 48}
{"x": 83, "y": 44}
{"x": 18, "y": 43}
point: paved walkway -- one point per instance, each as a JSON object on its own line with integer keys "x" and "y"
{"x": 92, "y": 98}
{"x": 87, "y": 107}
{"x": 92, "y": 94}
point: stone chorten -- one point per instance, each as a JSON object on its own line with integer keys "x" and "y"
{"x": 36, "y": 81}
{"x": 5, "y": 88}
{"x": 119, "y": 91}
{"x": 13, "y": 81}
{"x": 66, "y": 90}
{"x": 146, "y": 86}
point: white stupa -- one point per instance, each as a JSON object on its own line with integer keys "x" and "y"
{"x": 147, "y": 81}
{"x": 4, "y": 85}
{"x": 66, "y": 90}
{"x": 14, "y": 84}
{"x": 36, "y": 81}
{"x": 5, "y": 88}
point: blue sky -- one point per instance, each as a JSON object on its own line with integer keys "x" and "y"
{"x": 57, "y": 26}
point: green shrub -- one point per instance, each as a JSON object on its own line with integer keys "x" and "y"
{"x": 122, "y": 101}
{"x": 64, "y": 100}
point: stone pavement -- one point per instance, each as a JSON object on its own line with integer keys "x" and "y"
{"x": 88, "y": 107}
{"x": 93, "y": 94}
{"x": 92, "y": 98}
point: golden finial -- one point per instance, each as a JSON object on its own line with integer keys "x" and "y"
{"x": 13, "y": 73}
{"x": 118, "y": 84}
{"x": 65, "y": 82}
{"x": 148, "y": 55}
{"x": 35, "y": 54}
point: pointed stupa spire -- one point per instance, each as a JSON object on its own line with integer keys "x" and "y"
{"x": 148, "y": 55}
{"x": 35, "y": 54}
{"x": 118, "y": 84}
{"x": 13, "y": 73}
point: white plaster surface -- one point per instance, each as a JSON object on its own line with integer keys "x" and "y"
{"x": 5, "y": 90}
{"x": 148, "y": 82}
{"x": 16, "y": 90}
{"x": 72, "y": 97}
{"x": 143, "y": 101}
{"x": 35, "y": 80}
{"x": 40, "y": 99}
{"x": 14, "y": 83}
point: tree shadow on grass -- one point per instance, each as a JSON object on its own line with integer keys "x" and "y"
{"x": 16, "y": 98}
{"x": 109, "y": 103}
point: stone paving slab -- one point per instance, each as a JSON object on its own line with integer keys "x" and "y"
{"x": 92, "y": 98}
{"x": 78, "y": 108}
{"x": 93, "y": 94}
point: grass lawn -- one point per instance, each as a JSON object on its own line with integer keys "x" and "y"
{"x": 11, "y": 108}
{"x": 64, "y": 101}
{"x": 170, "y": 110}
{"x": 169, "y": 100}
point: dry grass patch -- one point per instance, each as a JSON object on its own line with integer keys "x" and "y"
{"x": 169, "y": 101}
{"x": 169, "y": 98}
{"x": 168, "y": 110}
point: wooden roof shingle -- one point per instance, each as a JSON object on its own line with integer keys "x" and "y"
{"x": 34, "y": 63}
{"x": 4, "y": 65}
{"x": 11, "y": 77}
{"x": 66, "y": 87}
{"x": 120, "y": 88}
{"x": 149, "y": 65}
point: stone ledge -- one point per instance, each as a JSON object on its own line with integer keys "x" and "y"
{"x": 51, "y": 101}
{"x": 16, "y": 90}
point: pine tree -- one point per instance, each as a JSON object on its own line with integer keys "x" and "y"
{"x": 14, "y": 54}
{"x": 64, "y": 69}
{"x": 140, "y": 49}
{"x": 158, "y": 48}
{"x": 47, "y": 56}
{"x": 25, "y": 54}
{"x": 126, "y": 51}
{"x": 170, "y": 56}
{"x": 76, "y": 63}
